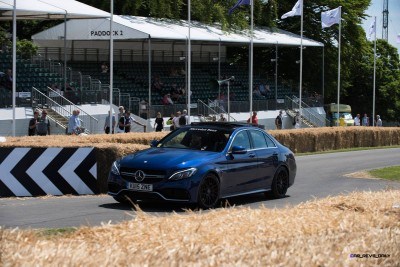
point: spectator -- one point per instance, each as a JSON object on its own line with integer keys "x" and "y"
{"x": 264, "y": 89}
{"x": 342, "y": 122}
{"x": 257, "y": 93}
{"x": 201, "y": 118}
{"x": 74, "y": 124}
{"x": 121, "y": 113}
{"x": 43, "y": 127}
{"x": 170, "y": 121}
{"x": 297, "y": 121}
{"x": 222, "y": 117}
{"x": 107, "y": 124}
{"x": 125, "y": 123}
{"x": 104, "y": 68}
{"x": 32, "y": 123}
{"x": 365, "y": 120}
{"x": 278, "y": 121}
{"x": 167, "y": 100}
{"x": 143, "y": 109}
{"x": 184, "y": 118}
{"x": 357, "y": 120}
{"x": 159, "y": 123}
{"x": 254, "y": 119}
{"x": 175, "y": 120}
{"x": 378, "y": 121}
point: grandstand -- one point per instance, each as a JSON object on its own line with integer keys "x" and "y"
{"x": 133, "y": 77}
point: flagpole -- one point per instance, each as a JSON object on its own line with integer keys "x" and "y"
{"x": 338, "y": 86}
{"x": 111, "y": 63}
{"x": 373, "y": 98}
{"x": 14, "y": 64}
{"x": 251, "y": 59}
{"x": 301, "y": 60}
{"x": 188, "y": 65}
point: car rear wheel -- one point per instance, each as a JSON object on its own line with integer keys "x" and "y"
{"x": 208, "y": 192}
{"x": 280, "y": 183}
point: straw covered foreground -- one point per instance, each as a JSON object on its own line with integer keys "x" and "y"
{"x": 336, "y": 231}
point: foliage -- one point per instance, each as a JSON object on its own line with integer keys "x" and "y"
{"x": 26, "y": 48}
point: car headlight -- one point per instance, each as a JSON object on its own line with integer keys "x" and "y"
{"x": 183, "y": 174}
{"x": 115, "y": 168}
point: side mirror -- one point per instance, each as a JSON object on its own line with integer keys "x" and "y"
{"x": 238, "y": 150}
{"x": 154, "y": 143}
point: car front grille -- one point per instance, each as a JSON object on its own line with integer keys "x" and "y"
{"x": 151, "y": 176}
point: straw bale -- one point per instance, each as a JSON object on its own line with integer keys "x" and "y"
{"x": 316, "y": 233}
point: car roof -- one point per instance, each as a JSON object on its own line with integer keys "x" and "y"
{"x": 224, "y": 125}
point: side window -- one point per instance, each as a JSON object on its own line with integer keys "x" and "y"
{"x": 270, "y": 143}
{"x": 258, "y": 139}
{"x": 242, "y": 139}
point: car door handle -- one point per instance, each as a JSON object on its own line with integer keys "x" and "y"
{"x": 252, "y": 155}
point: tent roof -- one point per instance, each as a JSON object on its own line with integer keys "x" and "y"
{"x": 49, "y": 9}
{"x": 131, "y": 27}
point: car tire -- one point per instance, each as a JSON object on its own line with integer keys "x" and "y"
{"x": 208, "y": 195}
{"x": 280, "y": 184}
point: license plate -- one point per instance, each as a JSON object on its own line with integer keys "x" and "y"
{"x": 140, "y": 187}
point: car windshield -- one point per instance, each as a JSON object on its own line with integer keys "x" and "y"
{"x": 197, "y": 138}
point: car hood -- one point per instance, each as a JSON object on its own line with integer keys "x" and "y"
{"x": 167, "y": 158}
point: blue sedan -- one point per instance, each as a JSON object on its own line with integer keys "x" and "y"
{"x": 204, "y": 162}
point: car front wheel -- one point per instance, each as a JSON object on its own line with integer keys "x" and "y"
{"x": 208, "y": 192}
{"x": 280, "y": 183}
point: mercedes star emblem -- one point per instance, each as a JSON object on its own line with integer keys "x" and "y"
{"x": 139, "y": 176}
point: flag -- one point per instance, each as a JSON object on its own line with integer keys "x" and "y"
{"x": 296, "y": 10}
{"x": 238, "y": 4}
{"x": 398, "y": 38}
{"x": 330, "y": 17}
{"x": 371, "y": 30}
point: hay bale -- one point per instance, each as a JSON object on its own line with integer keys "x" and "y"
{"x": 323, "y": 232}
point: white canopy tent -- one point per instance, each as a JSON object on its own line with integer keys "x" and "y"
{"x": 135, "y": 28}
{"x": 131, "y": 27}
{"x": 42, "y": 9}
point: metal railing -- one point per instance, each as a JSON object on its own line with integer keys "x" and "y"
{"x": 213, "y": 108}
{"x": 63, "y": 106}
{"x": 308, "y": 113}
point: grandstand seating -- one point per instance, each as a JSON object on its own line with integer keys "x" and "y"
{"x": 132, "y": 78}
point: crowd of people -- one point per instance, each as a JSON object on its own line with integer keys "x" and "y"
{"x": 39, "y": 124}
{"x": 365, "y": 120}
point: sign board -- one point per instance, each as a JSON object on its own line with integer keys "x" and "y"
{"x": 24, "y": 94}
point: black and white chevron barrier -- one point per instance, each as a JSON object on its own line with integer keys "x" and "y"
{"x": 47, "y": 171}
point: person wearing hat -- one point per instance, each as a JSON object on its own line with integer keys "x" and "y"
{"x": 43, "y": 126}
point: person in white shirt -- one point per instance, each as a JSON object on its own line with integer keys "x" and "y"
{"x": 357, "y": 121}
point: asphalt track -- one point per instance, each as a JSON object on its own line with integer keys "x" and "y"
{"x": 318, "y": 176}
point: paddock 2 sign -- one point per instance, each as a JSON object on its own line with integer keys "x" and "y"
{"x": 106, "y": 33}
{"x": 47, "y": 171}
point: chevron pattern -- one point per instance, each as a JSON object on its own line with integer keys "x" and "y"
{"x": 47, "y": 171}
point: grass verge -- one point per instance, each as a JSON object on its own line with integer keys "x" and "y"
{"x": 389, "y": 173}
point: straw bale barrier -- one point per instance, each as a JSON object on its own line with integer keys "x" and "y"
{"x": 359, "y": 229}
{"x": 111, "y": 147}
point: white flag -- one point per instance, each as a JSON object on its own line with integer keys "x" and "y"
{"x": 296, "y": 10}
{"x": 398, "y": 38}
{"x": 371, "y": 30}
{"x": 330, "y": 17}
